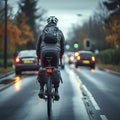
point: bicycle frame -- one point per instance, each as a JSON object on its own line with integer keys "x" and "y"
{"x": 49, "y": 90}
{"x": 49, "y": 94}
{"x": 49, "y": 71}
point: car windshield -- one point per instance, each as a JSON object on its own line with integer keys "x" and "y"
{"x": 27, "y": 53}
{"x": 85, "y": 54}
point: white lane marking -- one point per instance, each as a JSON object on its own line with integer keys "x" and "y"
{"x": 91, "y": 98}
{"x": 103, "y": 117}
{"x": 74, "y": 78}
{"x": 85, "y": 88}
{"x": 78, "y": 104}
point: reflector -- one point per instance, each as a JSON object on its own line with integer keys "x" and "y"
{"x": 49, "y": 70}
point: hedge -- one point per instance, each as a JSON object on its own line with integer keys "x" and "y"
{"x": 110, "y": 56}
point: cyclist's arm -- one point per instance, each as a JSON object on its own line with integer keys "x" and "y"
{"x": 38, "y": 47}
{"x": 62, "y": 42}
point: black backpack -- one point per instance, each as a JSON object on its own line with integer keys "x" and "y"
{"x": 50, "y": 35}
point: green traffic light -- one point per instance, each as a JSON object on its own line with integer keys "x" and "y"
{"x": 76, "y": 45}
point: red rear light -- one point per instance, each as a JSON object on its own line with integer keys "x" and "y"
{"x": 17, "y": 60}
{"x": 49, "y": 70}
{"x": 93, "y": 59}
{"x": 78, "y": 58}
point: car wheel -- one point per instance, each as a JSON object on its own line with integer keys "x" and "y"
{"x": 76, "y": 66}
{"x": 92, "y": 67}
{"x": 17, "y": 72}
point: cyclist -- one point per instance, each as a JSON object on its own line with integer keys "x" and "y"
{"x": 50, "y": 48}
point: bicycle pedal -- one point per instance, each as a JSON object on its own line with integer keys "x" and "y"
{"x": 40, "y": 96}
{"x": 56, "y": 98}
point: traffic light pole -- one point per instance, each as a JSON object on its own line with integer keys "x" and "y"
{"x": 5, "y": 37}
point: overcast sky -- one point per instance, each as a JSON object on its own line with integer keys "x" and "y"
{"x": 67, "y": 10}
{"x": 68, "y": 4}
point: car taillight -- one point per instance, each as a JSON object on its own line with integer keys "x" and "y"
{"x": 18, "y": 60}
{"x": 93, "y": 59}
{"x": 76, "y": 54}
{"x": 71, "y": 58}
{"x": 78, "y": 58}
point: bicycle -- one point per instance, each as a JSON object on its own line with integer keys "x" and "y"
{"x": 49, "y": 94}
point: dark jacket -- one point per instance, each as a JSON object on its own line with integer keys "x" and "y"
{"x": 62, "y": 42}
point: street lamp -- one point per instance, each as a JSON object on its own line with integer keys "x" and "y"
{"x": 5, "y": 37}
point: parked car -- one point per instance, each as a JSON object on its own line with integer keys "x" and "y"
{"x": 26, "y": 60}
{"x": 85, "y": 58}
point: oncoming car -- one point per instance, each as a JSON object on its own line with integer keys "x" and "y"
{"x": 26, "y": 60}
{"x": 85, "y": 58}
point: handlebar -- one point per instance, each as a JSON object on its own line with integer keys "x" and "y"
{"x": 60, "y": 61}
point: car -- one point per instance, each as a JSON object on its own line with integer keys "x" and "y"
{"x": 70, "y": 58}
{"x": 85, "y": 58}
{"x": 26, "y": 60}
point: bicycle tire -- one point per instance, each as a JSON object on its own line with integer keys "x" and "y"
{"x": 49, "y": 95}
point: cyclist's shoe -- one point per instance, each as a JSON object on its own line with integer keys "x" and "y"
{"x": 57, "y": 97}
{"x": 41, "y": 93}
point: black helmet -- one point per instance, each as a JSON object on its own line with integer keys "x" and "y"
{"x": 52, "y": 19}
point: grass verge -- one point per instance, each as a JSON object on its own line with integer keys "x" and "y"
{"x": 3, "y": 70}
{"x": 110, "y": 67}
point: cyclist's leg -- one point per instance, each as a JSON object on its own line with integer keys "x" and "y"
{"x": 41, "y": 76}
{"x": 55, "y": 60}
{"x": 55, "y": 63}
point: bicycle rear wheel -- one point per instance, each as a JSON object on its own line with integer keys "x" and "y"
{"x": 49, "y": 94}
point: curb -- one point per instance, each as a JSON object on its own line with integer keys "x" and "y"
{"x": 5, "y": 75}
{"x": 6, "y": 86}
{"x": 109, "y": 71}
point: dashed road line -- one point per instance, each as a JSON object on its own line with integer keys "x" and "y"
{"x": 89, "y": 95}
{"x": 92, "y": 98}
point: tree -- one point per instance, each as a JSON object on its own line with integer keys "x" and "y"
{"x": 111, "y": 5}
{"x": 13, "y": 35}
{"x": 26, "y": 33}
{"x": 112, "y": 23}
{"x": 29, "y": 7}
{"x": 1, "y": 10}
{"x": 19, "y": 33}
{"x": 113, "y": 31}
{"x": 14, "y": 32}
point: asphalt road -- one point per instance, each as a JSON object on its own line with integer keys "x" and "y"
{"x": 20, "y": 101}
{"x": 85, "y": 95}
{"x": 103, "y": 91}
